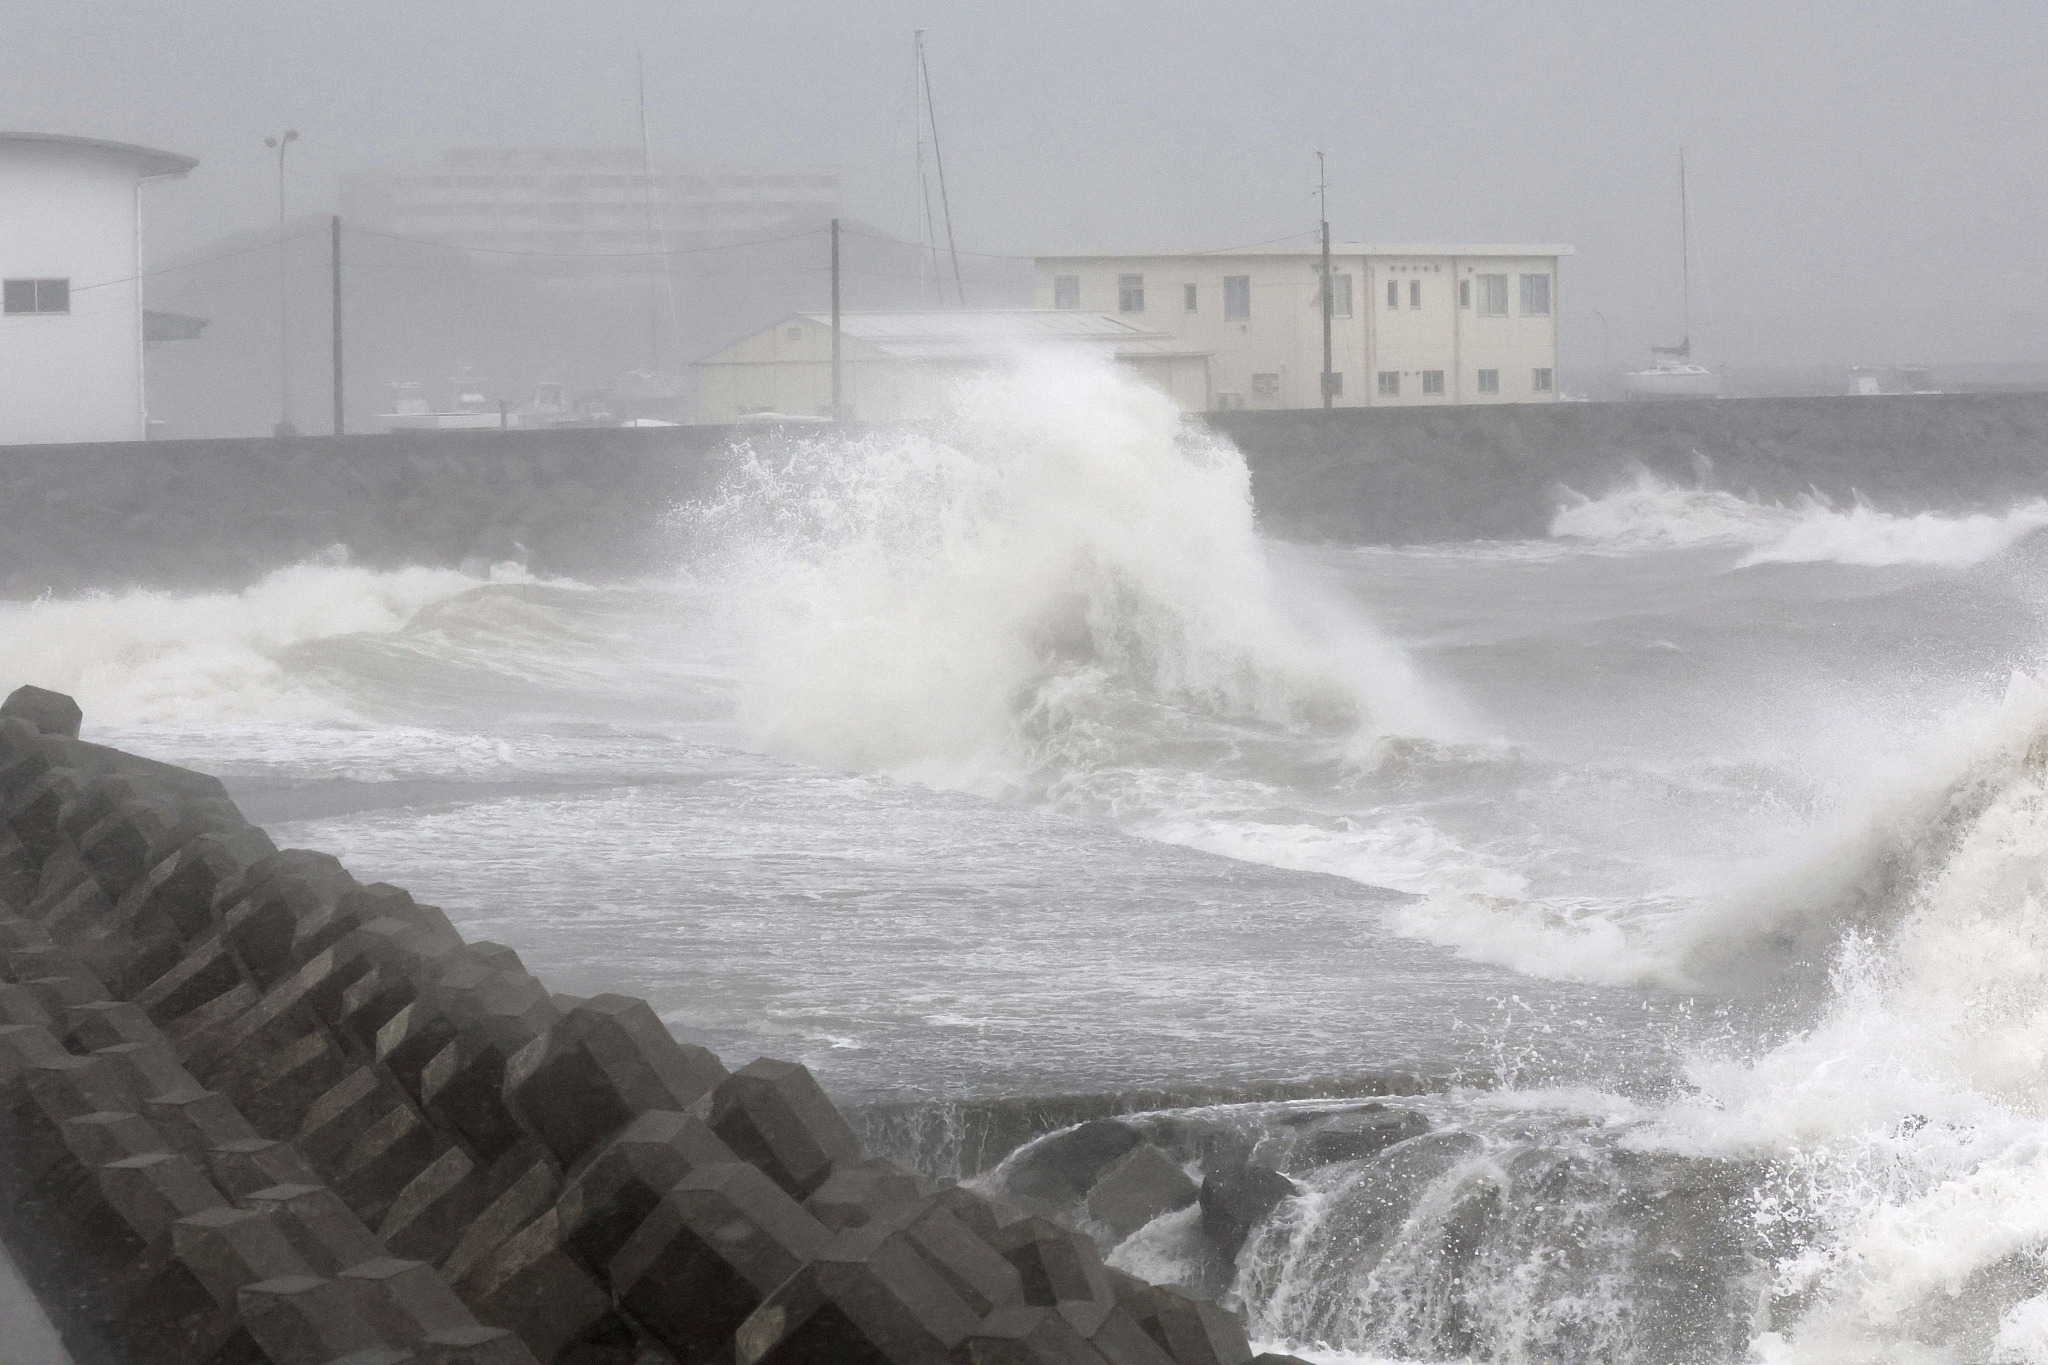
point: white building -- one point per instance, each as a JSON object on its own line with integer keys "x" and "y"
{"x": 1414, "y": 324}
{"x": 572, "y": 200}
{"x": 71, "y": 324}
{"x": 900, "y": 366}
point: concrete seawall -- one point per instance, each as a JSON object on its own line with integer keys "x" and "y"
{"x": 252, "y": 1111}
{"x": 590, "y": 503}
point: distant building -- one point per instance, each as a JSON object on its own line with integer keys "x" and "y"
{"x": 898, "y": 366}
{"x": 71, "y": 320}
{"x": 575, "y": 200}
{"x": 1413, "y": 325}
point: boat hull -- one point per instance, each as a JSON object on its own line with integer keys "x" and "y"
{"x": 1688, "y": 382}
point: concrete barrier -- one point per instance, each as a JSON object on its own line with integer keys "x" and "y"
{"x": 252, "y": 1110}
{"x": 218, "y": 514}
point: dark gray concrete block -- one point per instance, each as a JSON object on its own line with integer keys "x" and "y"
{"x": 1027, "y": 1336}
{"x": 325, "y": 1230}
{"x": 607, "y": 1061}
{"x": 1058, "y": 1269}
{"x": 620, "y": 1185}
{"x": 306, "y": 1320}
{"x": 1235, "y": 1202}
{"x": 227, "y": 1248}
{"x": 477, "y": 1345}
{"x": 774, "y": 1115}
{"x": 1060, "y": 1169}
{"x": 96, "y": 1139}
{"x": 52, "y": 713}
{"x": 153, "y": 1191}
{"x": 408, "y": 1301}
{"x": 1136, "y": 1188}
{"x": 528, "y": 1286}
{"x": 857, "y": 1192}
{"x": 1362, "y": 1133}
{"x": 714, "y": 1247}
{"x": 242, "y": 1166}
{"x": 884, "y": 1305}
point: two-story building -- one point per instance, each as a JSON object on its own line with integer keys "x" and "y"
{"x": 1412, "y": 324}
{"x": 72, "y": 325}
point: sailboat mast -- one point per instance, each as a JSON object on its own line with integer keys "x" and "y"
{"x": 661, "y": 263}
{"x": 1685, "y": 249}
{"x": 939, "y": 164}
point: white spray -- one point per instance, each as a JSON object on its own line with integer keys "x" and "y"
{"x": 1057, "y": 567}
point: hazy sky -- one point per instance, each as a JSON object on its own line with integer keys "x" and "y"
{"x": 1868, "y": 179}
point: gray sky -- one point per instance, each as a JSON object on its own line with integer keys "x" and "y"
{"x": 1868, "y": 179}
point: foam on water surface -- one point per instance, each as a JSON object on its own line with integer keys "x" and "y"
{"x": 1006, "y": 753}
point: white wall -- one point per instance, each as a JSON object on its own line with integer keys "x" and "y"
{"x": 69, "y": 212}
{"x": 1283, "y": 337}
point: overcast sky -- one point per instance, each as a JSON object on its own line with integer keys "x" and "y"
{"x": 1868, "y": 179}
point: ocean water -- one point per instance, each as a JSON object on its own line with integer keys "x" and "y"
{"x": 1691, "y": 856}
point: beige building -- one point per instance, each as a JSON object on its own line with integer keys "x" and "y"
{"x": 1414, "y": 324}
{"x": 899, "y": 366}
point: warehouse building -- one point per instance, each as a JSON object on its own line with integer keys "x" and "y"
{"x": 901, "y": 366}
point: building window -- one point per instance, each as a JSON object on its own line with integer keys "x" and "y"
{"x": 37, "y": 296}
{"x": 1237, "y": 297}
{"x": 1265, "y": 386}
{"x": 1393, "y": 293}
{"x": 1066, "y": 291}
{"x": 1493, "y": 296}
{"x": 1432, "y": 381}
{"x": 1333, "y": 384}
{"x": 1187, "y": 298}
{"x": 1415, "y": 293}
{"x": 1130, "y": 293}
{"x": 1340, "y": 296}
{"x": 1390, "y": 383}
{"x": 1535, "y": 296}
{"x": 793, "y": 333}
{"x": 1464, "y": 293}
{"x": 1489, "y": 380}
{"x": 1539, "y": 380}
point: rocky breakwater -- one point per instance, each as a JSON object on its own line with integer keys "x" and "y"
{"x": 1184, "y": 1192}
{"x": 254, "y": 1111}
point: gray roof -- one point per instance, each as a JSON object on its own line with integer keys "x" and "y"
{"x": 149, "y": 162}
{"x": 981, "y": 333}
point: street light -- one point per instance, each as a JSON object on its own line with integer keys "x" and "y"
{"x": 284, "y": 319}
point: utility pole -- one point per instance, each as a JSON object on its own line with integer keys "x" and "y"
{"x": 334, "y": 260}
{"x": 284, "y": 319}
{"x": 1323, "y": 197}
{"x": 838, "y": 411}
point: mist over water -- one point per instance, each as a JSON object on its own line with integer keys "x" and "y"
{"x": 1697, "y": 851}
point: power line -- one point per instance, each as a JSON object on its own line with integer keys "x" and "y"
{"x": 1018, "y": 256}
{"x": 587, "y": 255}
{"x": 189, "y": 265}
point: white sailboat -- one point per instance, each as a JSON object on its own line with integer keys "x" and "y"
{"x": 1671, "y": 372}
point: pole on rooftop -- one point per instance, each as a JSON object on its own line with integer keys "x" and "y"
{"x": 1329, "y": 376}
{"x": 838, "y": 411}
{"x": 334, "y": 259}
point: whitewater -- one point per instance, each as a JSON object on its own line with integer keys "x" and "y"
{"x": 1693, "y": 858}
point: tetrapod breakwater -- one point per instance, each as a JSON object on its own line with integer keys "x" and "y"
{"x": 252, "y": 1110}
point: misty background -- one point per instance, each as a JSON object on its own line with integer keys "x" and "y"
{"x": 1866, "y": 178}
